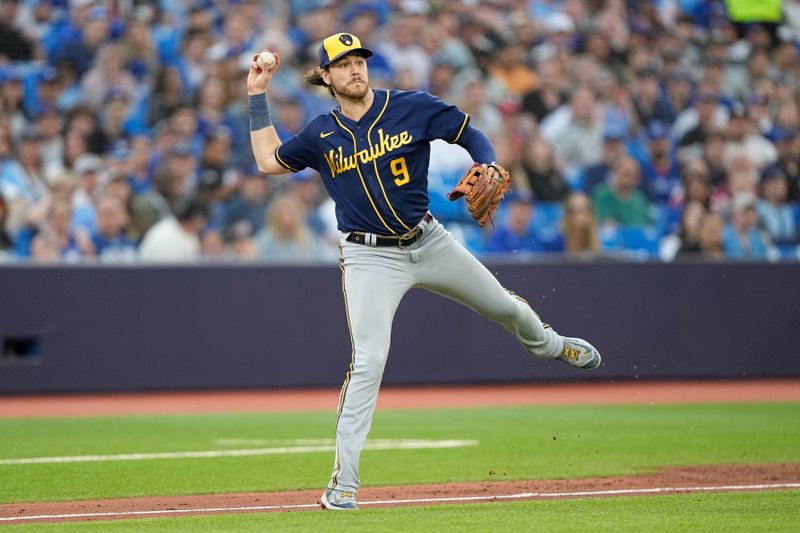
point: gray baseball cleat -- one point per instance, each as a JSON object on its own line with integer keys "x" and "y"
{"x": 338, "y": 500}
{"x": 579, "y": 353}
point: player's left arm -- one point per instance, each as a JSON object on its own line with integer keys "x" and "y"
{"x": 477, "y": 144}
{"x": 449, "y": 123}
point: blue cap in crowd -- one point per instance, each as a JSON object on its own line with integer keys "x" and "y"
{"x": 772, "y": 172}
{"x": 520, "y": 195}
{"x": 738, "y": 110}
{"x": 779, "y": 133}
{"x": 360, "y": 8}
{"x": 614, "y": 132}
{"x": 339, "y": 45}
{"x": 657, "y": 130}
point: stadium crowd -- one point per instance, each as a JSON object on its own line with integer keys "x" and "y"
{"x": 660, "y": 129}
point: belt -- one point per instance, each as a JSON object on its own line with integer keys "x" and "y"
{"x": 400, "y": 241}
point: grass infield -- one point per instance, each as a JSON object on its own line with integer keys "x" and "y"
{"x": 514, "y": 443}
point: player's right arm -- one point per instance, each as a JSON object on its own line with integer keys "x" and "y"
{"x": 263, "y": 136}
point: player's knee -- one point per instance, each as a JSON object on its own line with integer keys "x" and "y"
{"x": 511, "y": 313}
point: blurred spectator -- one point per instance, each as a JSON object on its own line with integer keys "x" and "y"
{"x": 176, "y": 238}
{"x": 141, "y": 57}
{"x": 12, "y": 104}
{"x": 687, "y": 239}
{"x": 401, "y": 48}
{"x": 169, "y": 91}
{"x": 184, "y": 165}
{"x": 290, "y": 117}
{"x": 706, "y": 114}
{"x": 714, "y": 158}
{"x": 185, "y": 126}
{"x": 516, "y": 233}
{"x": 679, "y": 92}
{"x": 620, "y": 201}
{"x": 14, "y": 45}
{"x": 110, "y": 240}
{"x": 441, "y": 81}
{"x": 55, "y": 240}
{"x": 787, "y": 142}
{"x": 703, "y": 121}
{"x": 236, "y": 39}
{"x": 212, "y": 244}
{"x": 108, "y": 76}
{"x": 510, "y": 68}
{"x": 774, "y": 212}
{"x": 214, "y": 163}
{"x": 21, "y": 180}
{"x": 613, "y": 149}
{"x": 67, "y": 85}
{"x": 88, "y": 170}
{"x": 576, "y": 132}
{"x": 580, "y": 225}
{"x": 648, "y": 101}
{"x": 286, "y": 237}
{"x": 743, "y": 140}
{"x": 742, "y": 177}
{"x": 139, "y": 169}
{"x": 246, "y": 208}
{"x": 696, "y": 184}
{"x": 6, "y": 244}
{"x": 483, "y": 115}
{"x": 307, "y": 188}
{"x": 742, "y": 239}
{"x": 80, "y": 41}
{"x": 112, "y": 125}
{"x": 549, "y": 93}
{"x": 712, "y": 229}
{"x": 539, "y": 174}
{"x": 156, "y": 203}
{"x": 659, "y": 166}
{"x": 116, "y": 184}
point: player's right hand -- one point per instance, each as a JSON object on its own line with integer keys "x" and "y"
{"x": 257, "y": 79}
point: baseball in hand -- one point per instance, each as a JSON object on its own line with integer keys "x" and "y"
{"x": 266, "y": 61}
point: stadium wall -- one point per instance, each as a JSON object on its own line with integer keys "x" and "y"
{"x": 67, "y": 329}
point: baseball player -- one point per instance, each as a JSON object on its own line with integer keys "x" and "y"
{"x": 372, "y": 154}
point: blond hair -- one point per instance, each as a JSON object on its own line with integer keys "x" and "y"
{"x": 314, "y": 77}
{"x": 580, "y": 238}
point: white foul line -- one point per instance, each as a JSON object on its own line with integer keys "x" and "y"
{"x": 375, "y": 445}
{"x": 453, "y": 499}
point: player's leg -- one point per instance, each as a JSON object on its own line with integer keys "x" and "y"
{"x": 447, "y": 268}
{"x": 374, "y": 281}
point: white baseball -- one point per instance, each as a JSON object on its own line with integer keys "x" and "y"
{"x": 266, "y": 61}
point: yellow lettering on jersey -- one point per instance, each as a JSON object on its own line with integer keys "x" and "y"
{"x": 339, "y": 163}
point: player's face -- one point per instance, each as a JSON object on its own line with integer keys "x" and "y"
{"x": 348, "y": 77}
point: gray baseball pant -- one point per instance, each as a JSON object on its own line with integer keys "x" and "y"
{"x": 374, "y": 280}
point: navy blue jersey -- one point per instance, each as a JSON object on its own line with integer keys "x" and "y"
{"x": 376, "y": 169}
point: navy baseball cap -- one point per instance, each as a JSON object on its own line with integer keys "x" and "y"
{"x": 339, "y": 45}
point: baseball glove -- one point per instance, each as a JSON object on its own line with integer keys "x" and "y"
{"x": 483, "y": 189}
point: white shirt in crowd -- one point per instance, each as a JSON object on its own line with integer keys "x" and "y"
{"x": 168, "y": 242}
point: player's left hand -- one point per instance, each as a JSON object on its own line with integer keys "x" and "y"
{"x": 257, "y": 79}
{"x": 484, "y": 186}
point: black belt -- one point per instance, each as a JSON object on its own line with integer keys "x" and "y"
{"x": 406, "y": 239}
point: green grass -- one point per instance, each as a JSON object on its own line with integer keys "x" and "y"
{"x": 746, "y": 512}
{"x": 515, "y": 443}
